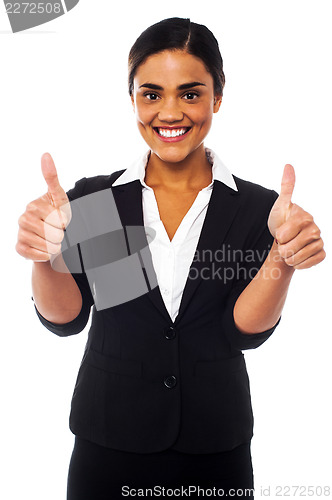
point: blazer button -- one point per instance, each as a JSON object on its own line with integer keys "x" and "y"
{"x": 170, "y": 333}
{"x": 170, "y": 381}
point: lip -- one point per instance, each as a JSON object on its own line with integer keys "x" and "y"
{"x": 172, "y": 139}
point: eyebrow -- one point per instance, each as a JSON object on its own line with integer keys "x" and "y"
{"x": 184, "y": 86}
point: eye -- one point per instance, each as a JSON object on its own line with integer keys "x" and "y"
{"x": 190, "y": 96}
{"x": 151, "y": 96}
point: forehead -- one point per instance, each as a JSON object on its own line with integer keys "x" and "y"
{"x": 171, "y": 68}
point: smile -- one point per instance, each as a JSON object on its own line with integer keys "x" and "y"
{"x": 171, "y": 134}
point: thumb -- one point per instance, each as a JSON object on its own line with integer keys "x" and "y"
{"x": 55, "y": 191}
{"x": 287, "y": 185}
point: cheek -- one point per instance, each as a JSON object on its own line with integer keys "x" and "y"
{"x": 201, "y": 114}
{"x": 144, "y": 115}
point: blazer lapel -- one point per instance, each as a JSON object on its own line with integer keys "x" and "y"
{"x": 220, "y": 214}
{"x": 128, "y": 199}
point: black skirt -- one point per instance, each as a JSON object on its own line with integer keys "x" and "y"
{"x": 99, "y": 473}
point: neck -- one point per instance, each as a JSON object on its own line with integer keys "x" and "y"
{"x": 192, "y": 173}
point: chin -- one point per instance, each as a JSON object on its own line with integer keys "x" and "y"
{"x": 171, "y": 155}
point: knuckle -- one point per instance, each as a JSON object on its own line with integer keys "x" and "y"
{"x": 317, "y": 259}
{"x": 21, "y": 220}
{"x": 289, "y": 261}
{"x": 298, "y": 211}
{"x": 18, "y": 247}
{"x": 315, "y": 232}
{"x": 319, "y": 244}
{"x": 31, "y": 207}
{"x": 21, "y": 235}
{"x": 306, "y": 219}
{"x": 301, "y": 214}
{"x": 33, "y": 211}
{"x": 21, "y": 248}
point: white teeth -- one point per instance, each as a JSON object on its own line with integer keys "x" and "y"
{"x": 171, "y": 133}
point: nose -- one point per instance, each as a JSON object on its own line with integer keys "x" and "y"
{"x": 170, "y": 111}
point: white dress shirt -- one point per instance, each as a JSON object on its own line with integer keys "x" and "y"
{"x": 172, "y": 259}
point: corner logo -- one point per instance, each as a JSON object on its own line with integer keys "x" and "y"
{"x": 25, "y": 15}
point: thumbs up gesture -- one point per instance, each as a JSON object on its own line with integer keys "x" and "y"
{"x": 56, "y": 194}
{"x": 42, "y": 225}
{"x": 297, "y": 236}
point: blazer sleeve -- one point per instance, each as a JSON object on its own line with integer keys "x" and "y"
{"x": 77, "y": 324}
{"x": 261, "y": 246}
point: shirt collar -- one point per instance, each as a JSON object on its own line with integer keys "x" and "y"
{"x": 136, "y": 171}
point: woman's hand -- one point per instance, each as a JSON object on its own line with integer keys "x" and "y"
{"x": 299, "y": 242}
{"x": 41, "y": 226}
{"x": 299, "y": 246}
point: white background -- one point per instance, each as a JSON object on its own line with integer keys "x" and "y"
{"x": 64, "y": 90}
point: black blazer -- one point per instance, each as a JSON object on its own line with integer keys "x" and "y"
{"x": 147, "y": 383}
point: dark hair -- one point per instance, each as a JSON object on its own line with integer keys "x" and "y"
{"x": 173, "y": 34}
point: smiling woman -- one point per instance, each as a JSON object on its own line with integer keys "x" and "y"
{"x": 181, "y": 63}
{"x": 174, "y": 113}
{"x": 162, "y": 395}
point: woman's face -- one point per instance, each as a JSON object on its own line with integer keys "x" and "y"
{"x": 174, "y": 102}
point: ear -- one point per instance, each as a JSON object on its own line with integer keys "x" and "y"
{"x": 132, "y": 101}
{"x": 217, "y": 103}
